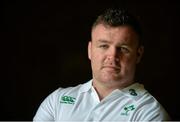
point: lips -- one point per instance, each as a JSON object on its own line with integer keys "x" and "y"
{"x": 111, "y": 67}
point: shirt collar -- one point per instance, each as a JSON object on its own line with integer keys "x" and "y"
{"x": 86, "y": 87}
{"x": 134, "y": 90}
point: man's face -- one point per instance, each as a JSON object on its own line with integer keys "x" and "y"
{"x": 114, "y": 53}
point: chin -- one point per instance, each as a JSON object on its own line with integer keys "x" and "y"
{"x": 109, "y": 79}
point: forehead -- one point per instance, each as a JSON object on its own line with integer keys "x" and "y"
{"x": 114, "y": 34}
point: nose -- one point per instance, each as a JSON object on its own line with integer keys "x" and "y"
{"x": 113, "y": 55}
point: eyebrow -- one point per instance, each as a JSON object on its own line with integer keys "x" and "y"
{"x": 103, "y": 41}
{"x": 108, "y": 42}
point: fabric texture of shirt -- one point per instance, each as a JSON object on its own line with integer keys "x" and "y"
{"x": 81, "y": 103}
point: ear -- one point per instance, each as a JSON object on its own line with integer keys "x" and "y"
{"x": 140, "y": 52}
{"x": 89, "y": 49}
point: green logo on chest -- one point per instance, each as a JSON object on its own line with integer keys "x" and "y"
{"x": 67, "y": 100}
{"x": 127, "y": 109}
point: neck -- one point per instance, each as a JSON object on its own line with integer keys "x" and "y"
{"x": 104, "y": 89}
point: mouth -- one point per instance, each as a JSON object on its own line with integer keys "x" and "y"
{"x": 111, "y": 67}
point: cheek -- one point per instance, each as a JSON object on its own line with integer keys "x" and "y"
{"x": 128, "y": 60}
{"x": 96, "y": 60}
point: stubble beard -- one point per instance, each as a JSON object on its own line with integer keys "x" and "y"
{"x": 112, "y": 80}
{"x": 108, "y": 78}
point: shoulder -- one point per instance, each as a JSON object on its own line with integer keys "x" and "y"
{"x": 48, "y": 108}
{"x": 65, "y": 91}
{"x": 68, "y": 92}
{"x": 148, "y": 108}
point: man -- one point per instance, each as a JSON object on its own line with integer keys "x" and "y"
{"x": 112, "y": 95}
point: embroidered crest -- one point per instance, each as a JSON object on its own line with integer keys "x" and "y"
{"x": 127, "y": 109}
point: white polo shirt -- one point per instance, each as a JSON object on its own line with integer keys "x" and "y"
{"x": 81, "y": 103}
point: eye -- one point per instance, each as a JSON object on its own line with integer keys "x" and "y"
{"x": 124, "y": 49}
{"x": 104, "y": 46}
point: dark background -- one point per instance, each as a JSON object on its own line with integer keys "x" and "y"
{"x": 44, "y": 46}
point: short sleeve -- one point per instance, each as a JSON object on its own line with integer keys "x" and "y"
{"x": 46, "y": 111}
{"x": 151, "y": 112}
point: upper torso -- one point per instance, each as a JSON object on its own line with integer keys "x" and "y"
{"x": 81, "y": 103}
